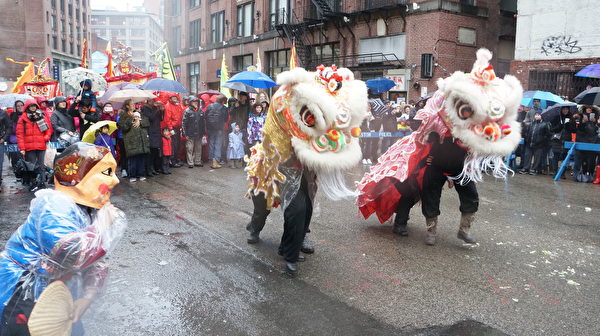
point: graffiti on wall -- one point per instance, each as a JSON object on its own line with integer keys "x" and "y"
{"x": 560, "y": 44}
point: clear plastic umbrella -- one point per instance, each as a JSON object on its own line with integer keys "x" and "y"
{"x": 73, "y": 77}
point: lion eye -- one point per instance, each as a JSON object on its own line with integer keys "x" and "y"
{"x": 107, "y": 172}
{"x": 307, "y": 117}
{"x": 464, "y": 110}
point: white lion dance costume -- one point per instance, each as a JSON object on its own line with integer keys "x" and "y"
{"x": 312, "y": 130}
{"x": 467, "y": 128}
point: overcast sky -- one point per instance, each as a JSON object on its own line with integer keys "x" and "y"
{"x": 116, "y": 4}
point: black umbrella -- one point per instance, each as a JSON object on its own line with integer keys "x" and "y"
{"x": 589, "y": 96}
{"x": 553, "y": 112}
{"x": 425, "y": 97}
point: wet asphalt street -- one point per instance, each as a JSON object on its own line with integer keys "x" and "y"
{"x": 184, "y": 267}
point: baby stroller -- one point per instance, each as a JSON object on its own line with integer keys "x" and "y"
{"x": 36, "y": 176}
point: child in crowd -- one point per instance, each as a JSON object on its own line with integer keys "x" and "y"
{"x": 104, "y": 139}
{"x": 403, "y": 121}
{"x": 235, "y": 149}
{"x": 86, "y": 93}
{"x": 167, "y": 150}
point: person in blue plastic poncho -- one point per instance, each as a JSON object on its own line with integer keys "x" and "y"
{"x": 65, "y": 237}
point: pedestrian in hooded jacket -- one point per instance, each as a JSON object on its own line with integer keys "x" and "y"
{"x": 172, "y": 119}
{"x": 34, "y": 130}
{"x": 61, "y": 120}
{"x": 193, "y": 129}
{"x": 86, "y": 93}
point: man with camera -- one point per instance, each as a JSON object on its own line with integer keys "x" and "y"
{"x": 82, "y": 109}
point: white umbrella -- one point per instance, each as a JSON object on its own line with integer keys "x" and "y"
{"x": 73, "y": 77}
{"x": 136, "y": 95}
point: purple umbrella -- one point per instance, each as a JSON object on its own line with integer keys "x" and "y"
{"x": 592, "y": 70}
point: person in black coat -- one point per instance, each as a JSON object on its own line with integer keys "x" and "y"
{"x": 194, "y": 128}
{"x": 61, "y": 120}
{"x": 561, "y": 131}
{"x": 87, "y": 114}
{"x": 154, "y": 111}
{"x": 537, "y": 141}
{"x": 5, "y": 128}
{"x": 586, "y": 131}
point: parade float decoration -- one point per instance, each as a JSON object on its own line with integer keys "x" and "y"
{"x": 35, "y": 80}
{"x": 124, "y": 70}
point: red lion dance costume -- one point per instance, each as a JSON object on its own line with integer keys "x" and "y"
{"x": 467, "y": 128}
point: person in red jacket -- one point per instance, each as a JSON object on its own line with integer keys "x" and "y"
{"x": 167, "y": 150}
{"x": 34, "y": 129}
{"x": 172, "y": 119}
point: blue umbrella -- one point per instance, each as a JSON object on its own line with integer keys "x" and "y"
{"x": 8, "y": 100}
{"x": 592, "y": 70}
{"x": 163, "y": 84}
{"x": 254, "y": 79}
{"x": 546, "y": 98}
{"x": 380, "y": 85}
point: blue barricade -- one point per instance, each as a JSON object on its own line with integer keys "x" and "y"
{"x": 572, "y": 146}
{"x": 13, "y": 148}
{"x": 384, "y": 134}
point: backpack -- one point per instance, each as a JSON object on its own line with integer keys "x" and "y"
{"x": 213, "y": 114}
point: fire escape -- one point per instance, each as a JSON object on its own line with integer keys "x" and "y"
{"x": 295, "y": 27}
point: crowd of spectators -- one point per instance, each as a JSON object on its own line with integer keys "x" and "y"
{"x": 151, "y": 136}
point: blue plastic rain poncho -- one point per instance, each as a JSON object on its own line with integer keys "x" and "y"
{"x": 59, "y": 240}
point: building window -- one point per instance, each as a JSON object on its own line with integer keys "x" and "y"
{"x": 71, "y": 49}
{"x": 117, "y": 20}
{"x": 245, "y": 20}
{"x": 241, "y": 63}
{"x": 278, "y": 12}
{"x": 79, "y": 50}
{"x": 54, "y": 42}
{"x": 325, "y": 53}
{"x": 137, "y": 32}
{"x": 468, "y": 2}
{"x": 138, "y": 43}
{"x": 217, "y": 26}
{"x": 194, "y": 34}
{"x": 62, "y": 5}
{"x": 70, "y": 10}
{"x": 176, "y": 39}
{"x": 193, "y": 76}
{"x": 278, "y": 61}
{"x": 194, "y": 4}
{"x": 53, "y": 4}
{"x": 48, "y": 39}
{"x": 53, "y": 22}
{"x": 84, "y": 3}
{"x": 77, "y": 14}
{"x": 63, "y": 26}
{"x": 64, "y": 45}
{"x": 176, "y": 7}
{"x": 467, "y": 36}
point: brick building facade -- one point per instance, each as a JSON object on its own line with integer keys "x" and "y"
{"x": 554, "y": 42}
{"x": 40, "y": 29}
{"x": 374, "y": 38}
